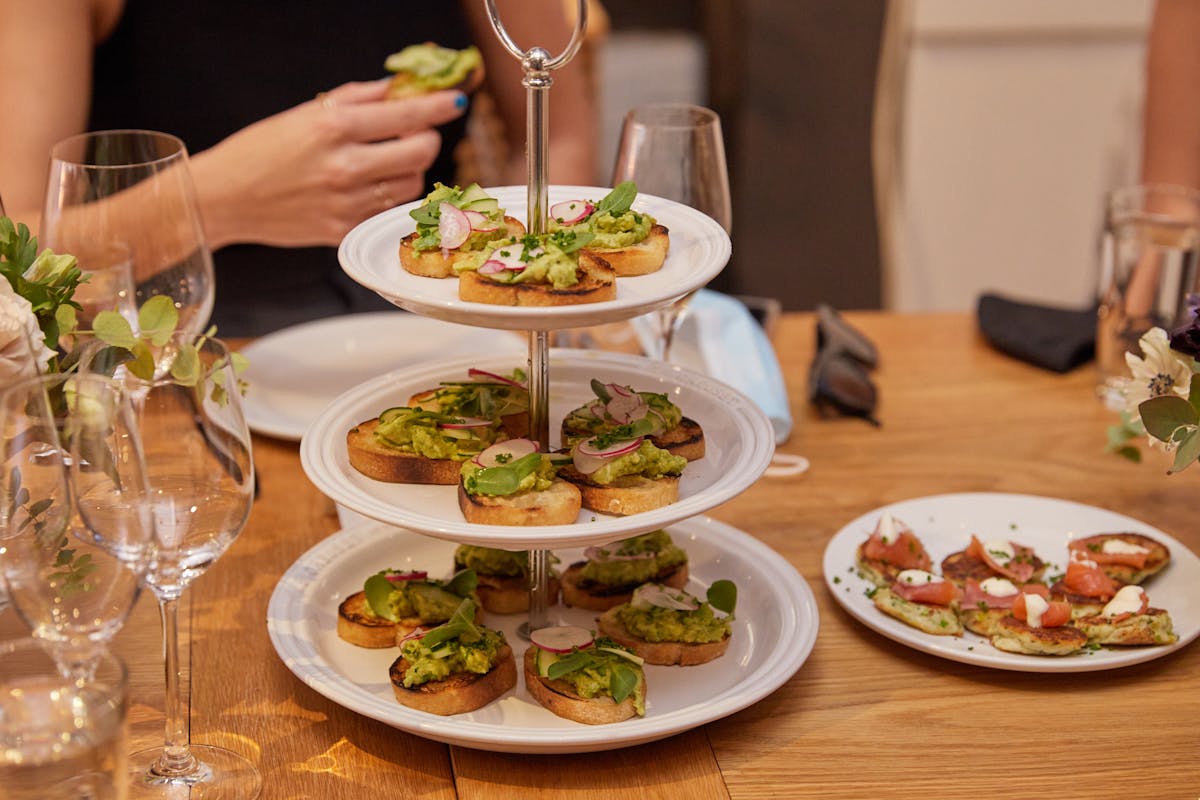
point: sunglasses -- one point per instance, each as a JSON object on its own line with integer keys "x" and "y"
{"x": 839, "y": 381}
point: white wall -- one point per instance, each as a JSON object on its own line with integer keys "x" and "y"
{"x": 1016, "y": 118}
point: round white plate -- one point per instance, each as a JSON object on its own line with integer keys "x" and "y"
{"x": 944, "y": 523}
{"x": 295, "y": 372}
{"x": 774, "y": 630}
{"x": 699, "y": 251}
{"x": 738, "y": 438}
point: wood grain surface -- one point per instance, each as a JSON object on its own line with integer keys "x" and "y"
{"x": 864, "y": 717}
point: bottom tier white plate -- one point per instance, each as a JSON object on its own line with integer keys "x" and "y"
{"x": 774, "y": 632}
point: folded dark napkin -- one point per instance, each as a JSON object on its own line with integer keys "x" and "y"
{"x": 1049, "y": 337}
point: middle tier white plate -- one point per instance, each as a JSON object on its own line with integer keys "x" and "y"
{"x": 738, "y": 436}
{"x": 699, "y": 251}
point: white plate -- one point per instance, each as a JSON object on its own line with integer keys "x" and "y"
{"x": 774, "y": 631}
{"x": 944, "y": 523}
{"x": 738, "y": 447}
{"x": 295, "y": 372}
{"x": 699, "y": 251}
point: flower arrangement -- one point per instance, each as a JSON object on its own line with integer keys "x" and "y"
{"x": 1162, "y": 394}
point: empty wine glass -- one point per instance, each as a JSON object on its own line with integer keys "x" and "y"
{"x": 675, "y": 151}
{"x": 199, "y": 474}
{"x": 72, "y": 591}
{"x": 127, "y": 195}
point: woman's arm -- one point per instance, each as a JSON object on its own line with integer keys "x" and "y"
{"x": 1171, "y": 134}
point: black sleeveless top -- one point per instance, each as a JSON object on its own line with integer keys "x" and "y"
{"x": 204, "y": 69}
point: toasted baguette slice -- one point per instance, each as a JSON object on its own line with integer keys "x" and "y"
{"x": 557, "y": 505}
{"x": 1153, "y": 627}
{"x": 597, "y": 283}
{"x": 515, "y": 426}
{"x": 561, "y": 698}
{"x": 459, "y": 693}
{"x": 1013, "y": 636}
{"x": 359, "y": 626}
{"x": 642, "y": 258}
{"x": 432, "y": 264}
{"x": 685, "y": 654}
{"x": 1156, "y": 560}
{"x": 938, "y": 620}
{"x": 685, "y": 440}
{"x": 582, "y": 593}
{"x": 508, "y": 595}
{"x": 376, "y": 460}
{"x": 628, "y": 494}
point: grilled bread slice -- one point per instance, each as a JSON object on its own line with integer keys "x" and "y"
{"x": 685, "y": 654}
{"x": 459, "y": 693}
{"x": 597, "y": 283}
{"x": 628, "y": 494}
{"x": 579, "y": 592}
{"x": 562, "y": 699}
{"x": 435, "y": 263}
{"x": 642, "y": 258}
{"x": 392, "y": 465}
{"x": 557, "y": 505}
{"x": 360, "y": 626}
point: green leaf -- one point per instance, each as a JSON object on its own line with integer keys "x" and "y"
{"x": 142, "y": 364}
{"x": 568, "y": 664}
{"x": 619, "y": 200}
{"x": 66, "y": 318}
{"x": 113, "y": 329}
{"x": 463, "y": 582}
{"x": 624, "y": 681}
{"x": 186, "y": 366}
{"x": 460, "y": 625}
{"x": 1129, "y": 452}
{"x": 1162, "y": 415}
{"x": 722, "y": 595}
{"x": 1194, "y": 392}
{"x": 378, "y": 592}
{"x": 1187, "y": 451}
{"x": 157, "y": 319}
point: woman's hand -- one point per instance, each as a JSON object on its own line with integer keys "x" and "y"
{"x": 307, "y": 175}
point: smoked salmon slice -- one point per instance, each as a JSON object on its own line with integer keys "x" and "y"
{"x": 1094, "y": 552}
{"x": 905, "y": 552}
{"x": 1019, "y": 568}
{"x": 1085, "y": 577}
{"x": 973, "y": 595}
{"x": 938, "y": 593}
{"x": 1057, "y": 613}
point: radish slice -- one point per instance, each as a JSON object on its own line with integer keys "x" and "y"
{"x": 597, "y": 409}
{"x": 562, "y": 639}
{"x": 617, "y": 390}
{"x": 467, "y": 422}
{"x": 568, "y": 212}
{"x": 626, "y": 408}
{"x": 655, "y": 594}
{"x": 491, "y": 267}
{"x": 612, "y": 451}
{"x": 491, "y": 376}
{"x": 415, "y": 633}
{"x": 415, "y": 575}
{"x": 453, "y": 226}
{"x": 604, "y": 554}
{"x": 506, "y": 452}
{"x": 587, "y": 459}
{"x": 480, "y": 221}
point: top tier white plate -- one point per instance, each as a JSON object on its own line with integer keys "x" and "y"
{"x": 739, "y": 442}
{"x": 699, "y": 251}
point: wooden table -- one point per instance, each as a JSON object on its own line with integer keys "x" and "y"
{"x": 864, "y": 717}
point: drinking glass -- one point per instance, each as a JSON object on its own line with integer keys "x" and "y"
{"x": 1150, "y": 262}
{"x": 74, "y": 593}
{"x": 199, "y": 475}
{"x": 60, "y": 738}
{"x": 131, "y": 192}
{"x": 675, "y": 151}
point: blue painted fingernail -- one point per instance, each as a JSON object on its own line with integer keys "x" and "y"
{"x": 461, "y": 101}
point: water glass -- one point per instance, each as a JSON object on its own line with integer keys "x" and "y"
{"x": 60, "y": 738}
{"x": 1150, "y": 250}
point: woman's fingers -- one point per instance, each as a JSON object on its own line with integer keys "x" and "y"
{"x": 376, "y": 119}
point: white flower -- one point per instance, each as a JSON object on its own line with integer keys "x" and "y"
{"x": 23, "y": 352}
{"x": 1161, "y": 371}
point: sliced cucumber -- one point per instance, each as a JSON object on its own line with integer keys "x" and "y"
{"x": 471, "y": 194}
{"x": 544, "y": 659}
{"x": 485, "y": 205}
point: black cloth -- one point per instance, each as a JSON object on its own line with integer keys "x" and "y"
{"x": 1057, "y": 339}
{"x": 203, "y": 69}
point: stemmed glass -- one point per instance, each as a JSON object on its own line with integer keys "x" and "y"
{"x": 64, "y": 579}
{"x": 675, "y": 151}
{"x": 126, "y": 196}
{"x": 199, "y": 473}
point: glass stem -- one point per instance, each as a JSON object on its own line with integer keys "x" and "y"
{"x": 177, "y": 758}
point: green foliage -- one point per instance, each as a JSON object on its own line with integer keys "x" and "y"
{"x": 1175, "y": 421}
{"x": 46, "y": 280}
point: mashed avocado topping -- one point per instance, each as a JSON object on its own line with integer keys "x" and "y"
{"x": 656, "y": 624}
{"x": 491, "y": 561}
{"x": 431, "y": 67}
{"x": 597, "y": 417}
{"x": 428, "y": 216}
{"x": 549, "y": 259}
{"x": 633, "y": 561}
{"x": 430, "y": 601}
{"x": 531, "y": 472}
{"x": 613, "y": 224}
{"x": 601, "y": 669}
{"x": 647, "y": 461}
{"x": 457, "y": 646}
{"x": 424, "y": 433}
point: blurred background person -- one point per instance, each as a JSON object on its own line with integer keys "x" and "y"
{"x": 1171, "y": 123}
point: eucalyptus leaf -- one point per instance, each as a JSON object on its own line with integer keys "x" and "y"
{"x": 1129, "y": 452}
{"x": 142, "y": 365}
{"x": 66, "y": 318}
{"x": 185, "y": 368}
{"x": 157, "y": 319}
{"x": 113, "y": 329}
{"x": 1194, "y": 392}
{"x": 1162, "y": 415}
{"x": 722, "y": 595}
{"x": 1187, "y": 451}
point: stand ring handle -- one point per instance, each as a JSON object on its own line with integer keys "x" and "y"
{"x": 547, "y": 64}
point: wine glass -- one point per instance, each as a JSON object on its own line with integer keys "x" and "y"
{"x": 675, "y": 151}
{"x": 70, "y": 588}
{"x": 127, "y": 195}
{"x": 199, "y": 474}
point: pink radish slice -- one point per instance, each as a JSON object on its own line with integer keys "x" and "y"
{"x": 491, "y": 376}
{"x": 561, "y": 639}
{"x": 617, "y": 390}
{"x": 626, "y": 408}
{"x": 415, "y": 575}
{"x": 415, "y": 633}
{"x": 506, "y": 452}
{"x": 656, "y": 594}
{"x": 604, "y": 554}
{"x": 571, "y": 211}
{"x": 467, "y": 422}
{"x": 492, "y": 267}
{"x": 453, "y": 226}
{"x": 612, "y": 451}
{"x": 597, "y": 409}
{"x": 587, "y": 460}
{"x": 480, "y": 221}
